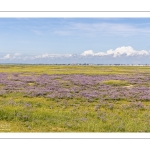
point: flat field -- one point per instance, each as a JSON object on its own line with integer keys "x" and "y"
{"x": 57, "y": 98}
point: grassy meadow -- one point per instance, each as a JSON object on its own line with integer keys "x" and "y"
{"x": 59, "y": 98}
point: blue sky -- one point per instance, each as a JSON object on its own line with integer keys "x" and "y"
{"x": 72, "y": 35}
{"x": 37, "y": 36}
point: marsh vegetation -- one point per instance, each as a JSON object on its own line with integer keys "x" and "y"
{"x": 42, "y": 98}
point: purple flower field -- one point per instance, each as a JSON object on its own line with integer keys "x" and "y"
{"x": 74, "y": 86}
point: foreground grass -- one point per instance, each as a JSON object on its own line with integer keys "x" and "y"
{"x": 39, "y": 114}
{"x": 50, "y": 115}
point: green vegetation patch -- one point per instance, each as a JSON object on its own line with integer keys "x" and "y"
{"x": 116, "y": 82}
{"x": 31, "y": 83}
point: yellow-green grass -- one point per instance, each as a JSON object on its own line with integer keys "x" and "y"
{"x": 66, "y": 69}
{"x": 116, "y": 82}
{"x": 38, "y": 114}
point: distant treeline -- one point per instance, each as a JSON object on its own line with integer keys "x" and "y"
{"x": 78, "y": 64}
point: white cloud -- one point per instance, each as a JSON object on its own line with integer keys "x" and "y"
{"x": 88, "y": 52}
{"x": 6, "y": 56}
{"x": 128, "y": 51}
{"x": 16, "y": 56}
{"x": 11, "y": 56}
{"x": 110, "y": 28}
{"x": 120, "y": 51}
{"x": 118, "y": 55}
{"x": 42, "y": 56}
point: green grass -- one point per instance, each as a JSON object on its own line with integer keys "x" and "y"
{"x": 38, "y": 114}
{"x": 116, "y": 82}
{"x": 45, "y": 115}
{"x": 63, "y": 69}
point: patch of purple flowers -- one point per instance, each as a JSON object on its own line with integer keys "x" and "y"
{"x": 88, "y": 87}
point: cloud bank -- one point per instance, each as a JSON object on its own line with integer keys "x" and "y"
{"x": 121, "y": 55}
{"x": 128, "y": 51}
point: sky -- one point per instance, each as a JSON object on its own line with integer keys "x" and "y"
{"x": 39, "y": 38}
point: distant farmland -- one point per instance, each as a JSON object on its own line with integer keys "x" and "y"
{"x": 61, "y": 98}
